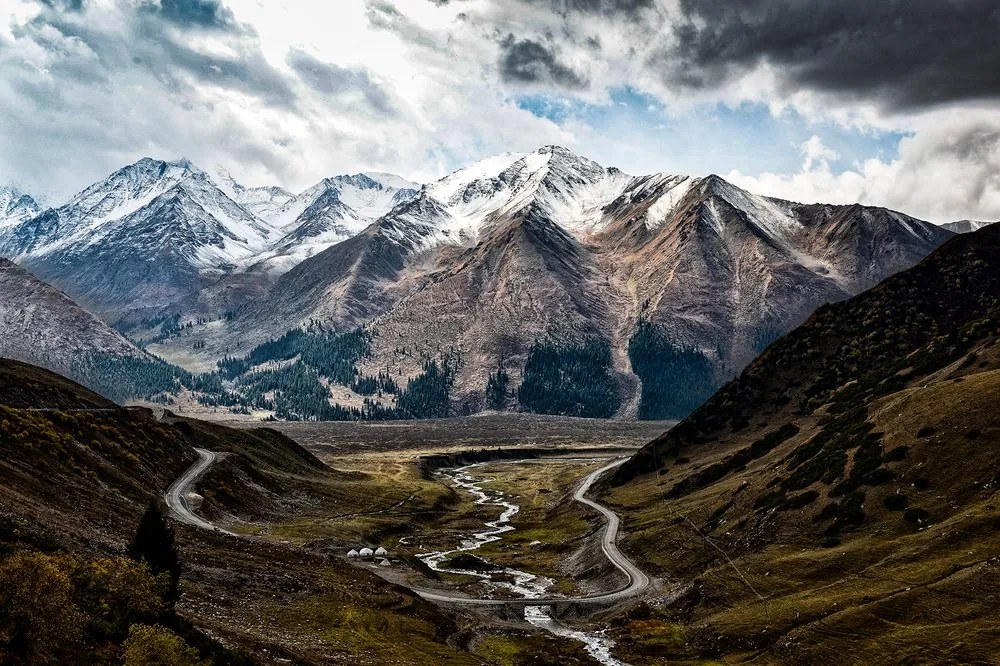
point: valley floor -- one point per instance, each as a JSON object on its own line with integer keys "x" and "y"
{"x": 383, "y": 489}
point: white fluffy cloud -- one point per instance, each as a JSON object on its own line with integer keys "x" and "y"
{"x": 948, "y": 169}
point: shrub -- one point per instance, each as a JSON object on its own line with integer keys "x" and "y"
{"x": 153, "y": 645}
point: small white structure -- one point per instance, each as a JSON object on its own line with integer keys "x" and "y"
{"x": 352, "y": 553}
{"x": 381, "y": 552}
{"x": 384, "y": 563}
{"x": 366, "y": 552}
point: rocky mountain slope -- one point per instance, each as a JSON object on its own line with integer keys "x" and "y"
{"x": 837, "y": 501}
{"x": 520, "y": 248}
{"x": 655, "y": 289}
{"x": 42, "y": 325}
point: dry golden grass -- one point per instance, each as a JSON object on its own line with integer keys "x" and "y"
{"x": 892, "y": 591}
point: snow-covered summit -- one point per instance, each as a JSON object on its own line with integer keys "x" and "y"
{"x": 162, "y": 194}
{"x": 16, "y": 206}
{"x": 966, "y": 226}
{"x": 571, "y": 190}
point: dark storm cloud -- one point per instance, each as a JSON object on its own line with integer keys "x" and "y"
{"x": 565, "y": 7}
{"x": 529, "y": 61}
{"x": 330, "y": 79}
{"x": 904, "y": 53}
{"x": 627, "y": 7}
{"x": 64, "y": 5}
{"x": 202, "y": 13}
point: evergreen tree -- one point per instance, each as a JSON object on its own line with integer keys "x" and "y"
{"x": 496, "y": 388}
{"x": 153, "y": 544}
{"x": 675, "y": 379}
{"x": 570, "y": 380}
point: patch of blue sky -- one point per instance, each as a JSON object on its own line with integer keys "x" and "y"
{"x": 644, "y": 136}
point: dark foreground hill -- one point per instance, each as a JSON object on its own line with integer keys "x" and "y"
{"x": 76, "y": 474}
{"x": 837, "y": 502}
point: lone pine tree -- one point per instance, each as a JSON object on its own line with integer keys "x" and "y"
{"x": 153, "y": 544}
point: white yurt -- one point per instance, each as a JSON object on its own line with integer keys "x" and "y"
{"x": 381, "y": 552}
{"x": 366, "y": 552}
{"x": 352, "y": 553}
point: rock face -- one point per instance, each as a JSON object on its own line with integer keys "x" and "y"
{"x": 43, "y": 326}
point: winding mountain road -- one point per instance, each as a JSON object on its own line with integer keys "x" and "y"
{"x": 176, "y": 499}
{"x": 637, "y": 580}
{"x": 176, "y": 495}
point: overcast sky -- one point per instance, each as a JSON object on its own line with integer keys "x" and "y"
{"x": 887, "y": 102}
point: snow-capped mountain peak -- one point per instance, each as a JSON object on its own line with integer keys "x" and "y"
{"x": 966, "y": 226}
{"x": 569, "y": 189}
{"x": 772, "y": 217}
{"x": 16, "y": 206}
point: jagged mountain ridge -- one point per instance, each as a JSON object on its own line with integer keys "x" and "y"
{"x": 482, "y": 263}
{"x": 16, "y": 207}
{"x": 500, "y": 254}
{"x": 153, "y": 235}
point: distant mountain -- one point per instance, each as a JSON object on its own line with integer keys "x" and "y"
{"x": 16, "y": 207}
{"x": 142, "y": 239}
{"x": 655, "y": 289}
{"x": 331, "y": 211}
{"x": 159, "y": 237}
{"x": 493, "y": 260}
{"x": 855, "y": 461}
{"x": 966, "y": 226}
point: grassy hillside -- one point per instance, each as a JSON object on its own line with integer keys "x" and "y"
{"x": 836, "y": 502}
{"x": 77, "y": 473}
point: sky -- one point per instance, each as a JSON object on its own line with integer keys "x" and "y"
{"x": 889, "y": 102}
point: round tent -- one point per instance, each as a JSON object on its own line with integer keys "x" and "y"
{"x": 366, "y": 552}
{"x": 381, "y": 552}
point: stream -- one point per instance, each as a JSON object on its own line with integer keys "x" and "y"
{"x": 526, "y": 585}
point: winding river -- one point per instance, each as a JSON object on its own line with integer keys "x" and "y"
{"x": 522, "y": 583}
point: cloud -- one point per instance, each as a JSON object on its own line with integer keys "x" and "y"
{"x": 331, "y": 79}
{"x": 949, "y": 169}
{"x": 606, "y": 7}
{"x": 528, "y": 61}
{"x": 808, "y": 100}
{"x": 899, "y": 54}
{"x": 64, "y": 5}
{"x": 817, "y": 154}
{"x": 202, "y": 13}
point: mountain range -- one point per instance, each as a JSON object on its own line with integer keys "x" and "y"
{"x": 519, "y": 277}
